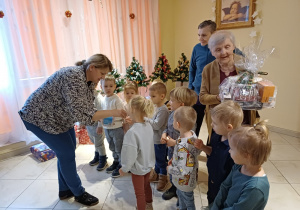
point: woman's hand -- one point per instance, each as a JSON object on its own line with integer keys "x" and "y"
{"x": 199, "y": 144}
{"x": 128, "y": 120}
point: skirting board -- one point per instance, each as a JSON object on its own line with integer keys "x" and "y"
{"x": 284, "y": 131}
{"x": 15, "y": 149}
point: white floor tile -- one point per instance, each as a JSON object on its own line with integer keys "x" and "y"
{"x": 284, "y": 152}
{"x": 29, "y": 168}
{"x": 297, "y": 188}
{"x": 296, "y": 146}
{"x": 85, "y": 152}
{"x": 40, "y": 194}
{"x": 291, "y": 139}
{"x": 273, "y": 174}
{"x": 203, "y": 186}
{"x": 90, "y": 173}
{"x": 11, "y": 189}
{"x": 9, "y": 164}
{"x": 277, "y": 138}
{"x": 120, "y": 196}
{"x": 283, "y": 196}
{"x": 97, "y": 189}
{"x": 290, "y": 170}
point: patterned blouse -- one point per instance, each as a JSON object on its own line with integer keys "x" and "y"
{"x": 63, "y": 99}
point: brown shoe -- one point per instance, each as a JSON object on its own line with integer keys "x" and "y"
{"x": 153, "y": 176}
{"x": 163, "y": 183}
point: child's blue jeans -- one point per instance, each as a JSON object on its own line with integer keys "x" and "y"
{"x": 186, "y": 200}
{"x": 160, "y": 159}
{"x": 64, "y": 146}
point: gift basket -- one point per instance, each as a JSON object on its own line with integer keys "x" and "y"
{"x": 248, "y": 88}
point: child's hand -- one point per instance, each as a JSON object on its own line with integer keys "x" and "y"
{"x": 170, "y": 142}
{"x": 199, "y": 144}
{"x": 163, "y": 138}
{"x": 170, "y": 162}
{"x": 99, "y": 130}
{"x": 121, "y": 172}
{"x": 128, "y": 120}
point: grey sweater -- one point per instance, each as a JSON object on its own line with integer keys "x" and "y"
{"x": 159, "y": 122}
{"x": 137, "y": 153}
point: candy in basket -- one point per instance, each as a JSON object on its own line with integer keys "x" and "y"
{"x": 248, "y": 88}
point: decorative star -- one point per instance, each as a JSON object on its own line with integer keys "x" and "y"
{"x": 255, "y": 14}
{"x": 252, "y": 34}
{"x": 257, "y": 21}
{"x": 213, "y": 9}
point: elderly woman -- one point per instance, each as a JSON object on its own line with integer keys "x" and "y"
{"x": 221, "y": 45}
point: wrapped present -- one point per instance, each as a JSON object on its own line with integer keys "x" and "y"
{"x": 42, "y": 152}
{"x": 248, "y": 88}
{"x": 82, "y": 135}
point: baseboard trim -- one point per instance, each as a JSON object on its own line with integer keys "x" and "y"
{"x": 284, "y": 131}
{"x": 15, "y": 149}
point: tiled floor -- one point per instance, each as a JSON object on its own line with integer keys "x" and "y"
{"x": 26, "y": 183}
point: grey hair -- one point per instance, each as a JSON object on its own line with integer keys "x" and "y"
{"x": 219, "y": 37}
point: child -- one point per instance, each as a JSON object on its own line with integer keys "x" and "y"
{"x": 138, "y": 151}
{"x": 113, "y": 129}
{"x": 247, "y": 186}
{"x": 158, "y": 92}
{"x": 130, "y": 90}
{"x": 180, "y": 96}
{"x": 184, "y": 165}
{"x": 225, "y": 117}
{"x": 97, "y": 137}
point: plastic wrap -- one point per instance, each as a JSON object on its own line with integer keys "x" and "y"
{"x": 248, "y": 88}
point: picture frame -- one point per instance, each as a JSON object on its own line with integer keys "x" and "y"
{"x": 234, "y": 13}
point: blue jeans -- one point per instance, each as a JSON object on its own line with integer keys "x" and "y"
{"x": 160, "y": 159}
{"x": 64, "y": 146}
{"x": 186, "y": 200}
{"x": 115, "y": 140}
{"x": 97, "y": 139}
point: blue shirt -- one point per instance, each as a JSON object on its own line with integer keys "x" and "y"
{"x": 219, "y": 165}
{"x": 201, "y": 56}
{"x": 241, "y": 192}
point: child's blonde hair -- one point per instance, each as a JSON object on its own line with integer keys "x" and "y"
{"x": 184, "y": 95}
{"x": 159, "y": 87}
{"x": 228, "y": 112}
{"x": 186, "y": 116}
{"x": 140, "y": 103}
{"x": 109, "y": 78}
{"x": 253, "y": 141}
{"x": 131, "y": 85}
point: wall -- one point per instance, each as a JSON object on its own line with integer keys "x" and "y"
{"x": 280, "y": 28}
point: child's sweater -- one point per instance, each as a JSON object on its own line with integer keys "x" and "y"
{"x": 184, "y": 169}
{"x": 113, "y": 102}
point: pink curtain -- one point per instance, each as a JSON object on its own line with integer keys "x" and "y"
{"x": 39, "y": 39}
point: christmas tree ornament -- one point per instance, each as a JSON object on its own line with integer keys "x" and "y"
{"x": 1, "y": 14}
{"x": 132, "y": 15}
{"x": 162, "y": 70}
{"x": 135, "y": 73}
{"x": 68, "y": 13}
{"x": 181, "y": 72}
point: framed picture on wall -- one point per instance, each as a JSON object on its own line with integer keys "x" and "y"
{"x": 234, "y": 13}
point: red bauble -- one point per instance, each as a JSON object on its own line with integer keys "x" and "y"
{"x": 1, "y": 14}
{"x": 132, "y": 16}
{"x": 68, "y": 13}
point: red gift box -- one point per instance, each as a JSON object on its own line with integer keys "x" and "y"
{"x": 82, "y": 135}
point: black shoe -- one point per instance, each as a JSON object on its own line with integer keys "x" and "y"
{"x": 65, "y": 194}
{"x": 111, "y": 168}
{"x": 115, "y": 173}
{"x": 170, "y": 193}
{"x": 95, "y": 161}
{"x": 102, "y": 163}
{"x": 87, "y": 199}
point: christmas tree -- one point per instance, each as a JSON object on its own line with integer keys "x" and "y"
{"x": 120, "y": 82}
{"x": 135, "y": 73}
{"x": 162, "y": 69}
{"x": 181, "y": 73}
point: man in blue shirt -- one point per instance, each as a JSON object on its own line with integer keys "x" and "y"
{"x": 201, "y": 56}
